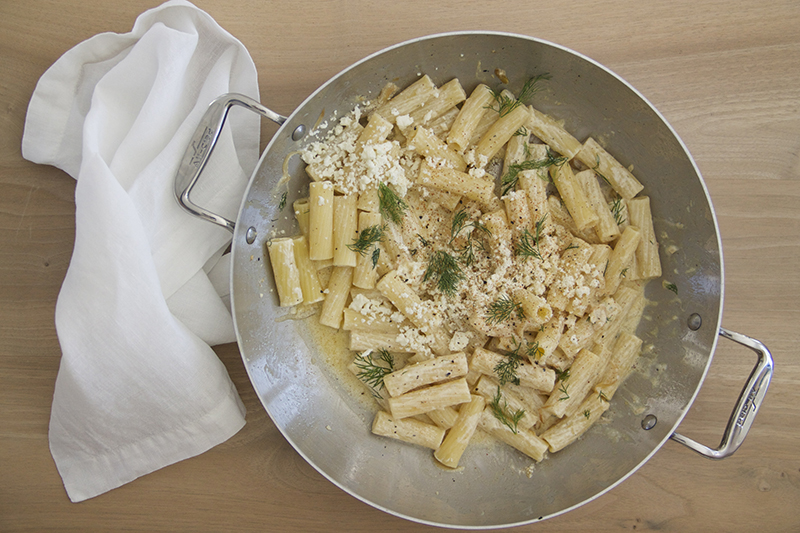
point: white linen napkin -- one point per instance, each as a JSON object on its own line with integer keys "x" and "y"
{"x": 138, "y": 386}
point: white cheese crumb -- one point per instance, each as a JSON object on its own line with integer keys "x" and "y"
{"x": 404, "y": 121}
{"x": 459, "y": 341}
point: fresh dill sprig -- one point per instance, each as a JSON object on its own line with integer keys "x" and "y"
{"x": 616, "y": 210}
{"x": 444, "y": 271}
{"x": 282, "y": 203}
{"x": 461, "y": 222}
{"x": 392, "y": 206}
{"x": 624, "y": 273}
{"x": 563, "y": 389}
{"x": 504, "y": 308}
{"x": 506, "y": 104}
{"x": 371, "y": 371}
{"x": 503, "y": 413}
{"x": 670, "y": 286}
{"x": 530, "y": 88}
{"x": 526, "y": 147}
{"x": 376, "y": 255}
{"x": 506, "y": 370}
{"x": 423, "y": 242}
{"x": 533, "y": 351}
{"x": 562, "y": 376}
{"x": 366, "y": 238}
{"x": 459, "y": 219}
{"x": 603, "y": 396}
{"x": 596, "y": 167}
{"x": 528, "y": 245}
{"x": 509, "y": 180}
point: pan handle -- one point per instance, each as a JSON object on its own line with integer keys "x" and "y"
{"x": 746, "y": 408}
{"x": 199, "y": 150}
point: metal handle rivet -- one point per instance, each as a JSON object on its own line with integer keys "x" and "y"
{"x": 649, "y": 422}
{"x": 695, "y": 321}
{"x": 250, "y": 235}
{"x": 299, "y": 132}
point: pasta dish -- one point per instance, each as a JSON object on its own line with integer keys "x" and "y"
{"x": 487, "y": 266}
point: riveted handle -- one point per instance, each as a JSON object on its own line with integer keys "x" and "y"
{"x": 746, "y": 407}
{"x": 199, "y": 151}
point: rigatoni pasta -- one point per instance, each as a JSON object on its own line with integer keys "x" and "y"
{"x": 503, "y": 303}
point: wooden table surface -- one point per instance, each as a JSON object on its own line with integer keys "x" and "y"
{"x": 726, "y": 74}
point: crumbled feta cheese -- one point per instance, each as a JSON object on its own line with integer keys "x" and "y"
{"x": 404, "y": 121}
{"x": 459, "y": 341}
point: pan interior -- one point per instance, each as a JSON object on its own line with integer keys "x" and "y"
{"x": 315, "y": 408}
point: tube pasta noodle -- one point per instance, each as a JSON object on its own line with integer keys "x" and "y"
{"x": 450, "y": 94}
{"x": 469, "y": 117}
{"x": 620, "y": 178}
{"x": 284, "y": 268}
{"x": 552, "y": 133}
{"x": 512, "y": 315}
{"x": 499, "y": 133}
{"x": 345, "y": 222}
{"x": 458, "y": 437}
{"x": 309, "y": 278}
{"x": 320, "y": 220}
{"x": 408, "y": 430}
{"x": 647, "y": 262}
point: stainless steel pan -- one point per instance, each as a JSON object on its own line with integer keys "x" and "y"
{"x": 330, "y": 429}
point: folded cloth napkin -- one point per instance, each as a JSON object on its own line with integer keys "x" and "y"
{"x": 139, "y": 387}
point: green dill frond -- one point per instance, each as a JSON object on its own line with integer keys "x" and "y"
{"x": 506, "y": 104}
{"x": 533, "y": 351}
{"x": 603, "y": 397}
{"x": 444, "y": 271}
{"x": 528, "y": 245}
{"x": 503, "y": 309}
{"x": 372, "y": 371}
{"x": 366, "y": 238}
{"x": 531, "y": 87}
{"x": 563, "y": 390}
{"x": 392, "y": 207}
{"x": 596, "y": 167}
{"x": 376, "y": 255}
{"x": 501, "y": 412}
{"x": 460, "y": 222}
{"x": 562, "y": 375}
{"x": 616, "y": 210}
{"x": 510, "y": 179}
{"x": 459, "y": 219}
{"x": 670, "y": 286}
{"x": 506, "y": 370}
{"x": 282, "y": 202}
{"x": 522, "y": 132}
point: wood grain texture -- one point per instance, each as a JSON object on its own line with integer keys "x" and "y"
{"x": 726, "y": 74}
